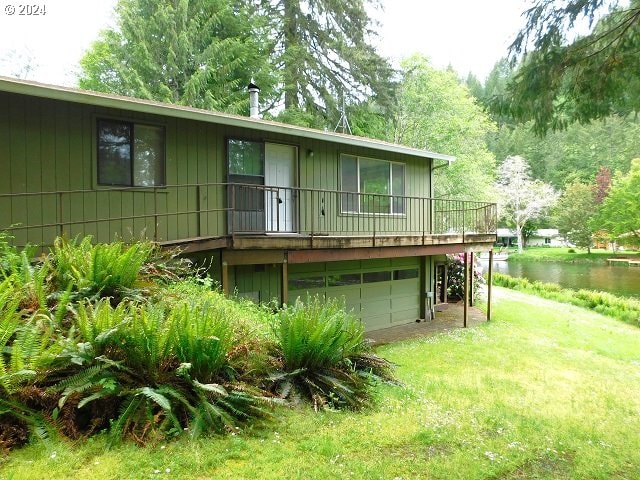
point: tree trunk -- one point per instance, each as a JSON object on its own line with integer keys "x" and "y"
{"x": 290, "y": 70}
{"x": 520, "y": 239}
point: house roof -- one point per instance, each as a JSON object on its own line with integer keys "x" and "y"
{"x": 86, "y": 97}
{"x": 541, "y": 232}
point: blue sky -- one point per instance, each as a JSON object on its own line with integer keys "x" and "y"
{"x": 471, "y": 35}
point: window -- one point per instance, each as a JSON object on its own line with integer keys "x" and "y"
{"x": 344, "y": 279}
{"x": 373, "y": 277}
{"x": 130, "y": 154}
{"x": 246, "y": 166}
{"x": 405, "y": 274}
{"x": 306, "y": 283}
{"x": 246, "y": 158}
{"x": 371, "y": 186}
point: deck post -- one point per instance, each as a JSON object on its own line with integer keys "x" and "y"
{"x": 285, "y": 282}
{"x": 423, "y": 288}
{"x": 489, "y": 282}
{"x": 225, "y": 278}
{"x": 471, "y": 274}
{"x": 466, "y": 290}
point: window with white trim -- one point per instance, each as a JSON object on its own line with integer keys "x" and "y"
{"x": 130, "y": 154}
{"x": 371, "y": 186}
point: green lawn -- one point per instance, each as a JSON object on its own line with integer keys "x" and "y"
{"x": 541, "y": 392}
{"x": 562, "y": 254}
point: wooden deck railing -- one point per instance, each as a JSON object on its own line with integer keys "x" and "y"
{"x": 178, "y": 212}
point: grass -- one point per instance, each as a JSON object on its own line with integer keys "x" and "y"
{"x": 537, "y": 393}
{"x": 620, "y": 308}
{"x": 563, "y": 254}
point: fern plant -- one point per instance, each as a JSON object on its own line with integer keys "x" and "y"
{"x": 103, "y": 269}
{"x": 29, "y": 352}
{"x": 165, "y": 368}
{"x": 10, "y": 259}
{"x": 324, "y": 357}
{"x": 202, "y": 338}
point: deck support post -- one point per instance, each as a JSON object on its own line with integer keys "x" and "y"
{"x": 489, "y": 282}
{"x": 285, "y": 282}
{"x": 466, "y": 290}
{"x": 225, "y": 278}
{"x": 423, "y": 288}
{"x": 471, "y": 275}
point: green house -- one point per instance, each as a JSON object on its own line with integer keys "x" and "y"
{"x": 276, "y": 210}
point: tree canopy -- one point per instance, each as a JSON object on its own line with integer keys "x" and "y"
{"x": 322, "y": 51}
{"x": 573, "y": 213}
{"x": 619, "y": 213}
{"x": 564, "y": 78}
{"x": 574, "y": 154}
{"x": 436, "y": 112}
{"x": 200, "y": 53}
{"x": 304, "y": 54}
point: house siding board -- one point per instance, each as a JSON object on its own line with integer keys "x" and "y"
{"x": 61, "y": 137}
{"x": 182, "y": 178}
{"x": 18, "y": 171}
{"x": 322, "y": 171}
{"x": 202, "y": 176}
{"x": 260, "y": 285}
{"x": 33, "y": 166}
{"x": 5, "y": 163}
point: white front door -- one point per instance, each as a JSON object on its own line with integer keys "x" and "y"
{"x": 279, "y": 173}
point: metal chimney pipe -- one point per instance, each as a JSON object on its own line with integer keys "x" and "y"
{"x": 254, "y": 108}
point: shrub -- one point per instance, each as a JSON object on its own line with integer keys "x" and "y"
{"x": 455, "y": 265}
{"x": 571, "y": 250}
{"x": 29, "y": 352}
{"x": 324, "y": 357}
{"x": 112, "y": 337}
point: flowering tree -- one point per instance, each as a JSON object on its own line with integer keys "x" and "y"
{"x": 520, "y": 197}
{"x": 455, "y": 276}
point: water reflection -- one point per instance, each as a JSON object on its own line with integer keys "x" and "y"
{"x": 619, "y": 280}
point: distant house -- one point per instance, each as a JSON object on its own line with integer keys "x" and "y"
{"x": 276, "y": 210}
{"x": 549, "y": 237}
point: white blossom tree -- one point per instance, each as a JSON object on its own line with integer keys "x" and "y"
{"x": 520, "y": 197}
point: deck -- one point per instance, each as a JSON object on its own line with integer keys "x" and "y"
{"x": 246, "y": 217}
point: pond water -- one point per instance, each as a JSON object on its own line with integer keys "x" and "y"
{"x": 619, "y": 280}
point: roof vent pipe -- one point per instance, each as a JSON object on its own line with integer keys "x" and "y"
{"x": 254, "y": 109}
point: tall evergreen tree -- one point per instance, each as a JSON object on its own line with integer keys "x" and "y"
{"x": 565, "y": 78}
{"x": 323, "y": 51}
{"x": 200, "y": 53}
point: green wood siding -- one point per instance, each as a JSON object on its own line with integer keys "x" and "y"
{"x": 322, "y": 171}
{"x": 260, "y": 283}
{"x": 50, "y": 146}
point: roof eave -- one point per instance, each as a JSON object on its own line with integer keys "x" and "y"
{"x": 87, "y": 97}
